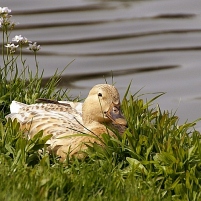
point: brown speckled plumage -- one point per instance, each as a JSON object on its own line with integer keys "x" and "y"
{"x": 66, "y": 119}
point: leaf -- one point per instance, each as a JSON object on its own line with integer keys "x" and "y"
{"x": 4, "y": 98}
{"x": 149, "y": 149}
{"x": 175, "y": 183}
{"x": 137, "y": 164}
{"x": 44, "y": 139}
{"x": 10, "y": 149}
{"x": 150, "y": 101}
{"x": 37, "y": 136}
{"x": 188, "y": 185}
{"x": 191, "y": 151}
{"x": 166, "y": 158}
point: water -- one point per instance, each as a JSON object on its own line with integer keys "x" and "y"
{"x": 154, "y": 44}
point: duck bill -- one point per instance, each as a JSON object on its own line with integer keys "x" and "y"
{"x": 114, "y": 114}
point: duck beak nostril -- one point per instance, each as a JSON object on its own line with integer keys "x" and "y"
{"x": 114, "y": 113}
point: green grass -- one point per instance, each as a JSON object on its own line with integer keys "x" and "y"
{"x": 155, "y": 159}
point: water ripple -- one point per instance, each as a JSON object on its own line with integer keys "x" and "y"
{"x": 67, "y": 80}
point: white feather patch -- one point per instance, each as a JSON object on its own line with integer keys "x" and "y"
{"x": 16, "y": 106}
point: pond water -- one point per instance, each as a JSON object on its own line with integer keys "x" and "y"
{"x": 154, "y": 44}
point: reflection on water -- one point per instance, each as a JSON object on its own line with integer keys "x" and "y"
{"x": 156, "y": 44}
{"x": 66, "y": 80}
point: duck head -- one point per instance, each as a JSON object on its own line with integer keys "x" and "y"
{"x": 102, "y": 106}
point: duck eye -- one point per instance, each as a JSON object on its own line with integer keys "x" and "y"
{"x": 100, "y": 94}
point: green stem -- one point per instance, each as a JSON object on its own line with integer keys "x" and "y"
{"x": 23, "y": 62}
{"x": 12, "y": 57}
{"x": 3, "y": 44}
{"x": 36, "y": 62}
{"x": 5, "y": 60}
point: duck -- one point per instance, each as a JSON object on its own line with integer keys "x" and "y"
{"x": 72, "y": 124}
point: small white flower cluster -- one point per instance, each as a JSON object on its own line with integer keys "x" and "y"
{"x": 5, "y": 23}
{"x": 12, "y": 47}
{"x": 34, "y": 47}
{"x": 5, "y": 18}
{"x": 22, "y": 40}
{"x": 4, "y": 10}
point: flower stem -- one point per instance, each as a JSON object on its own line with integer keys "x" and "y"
{"x": 3, "y": 48}
{"x": 36, "y": 61}
{"x": 21, "y": 58}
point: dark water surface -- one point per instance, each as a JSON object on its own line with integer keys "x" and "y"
{"x": 156, "y": 44}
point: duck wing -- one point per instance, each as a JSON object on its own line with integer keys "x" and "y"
{"x": 55, "y": 119}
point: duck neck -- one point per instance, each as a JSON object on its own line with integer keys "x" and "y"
{"x": 98, "y": 128}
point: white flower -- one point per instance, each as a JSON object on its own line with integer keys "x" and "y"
{"x": 17, "y": 38}
{"x": 25, "y": 40}
{"x": 9, "y": 45}
{"x": 12, "y": 47}
{"x": 4, "y": 10}
{"x": 20, "y": 39}
{"x": 5, "y": 21}
{"x": 34, "y": 47}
